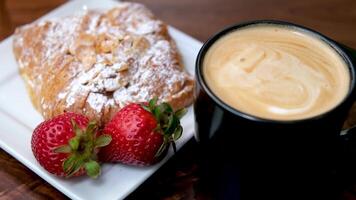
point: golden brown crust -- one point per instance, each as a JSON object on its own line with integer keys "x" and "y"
{"x": 96, "y": 62}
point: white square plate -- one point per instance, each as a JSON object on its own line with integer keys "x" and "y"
{"x": 18, "y": 118}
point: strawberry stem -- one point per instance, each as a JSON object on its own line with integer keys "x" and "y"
{"x": 63, "y": 149}
{"x": 168, "y": 123}
{"x": 82, "y": 149}
{"x": 102, "y": 141}
{"x": 92, "y": 168}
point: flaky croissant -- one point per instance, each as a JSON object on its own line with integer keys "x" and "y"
{"x": 96, "y": 62}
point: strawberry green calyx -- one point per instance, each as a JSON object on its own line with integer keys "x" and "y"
{"x": 168, "y": 123}
{"x": 82, "y": 150}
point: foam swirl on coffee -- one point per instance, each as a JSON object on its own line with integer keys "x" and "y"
{"x": 276, "y": 73}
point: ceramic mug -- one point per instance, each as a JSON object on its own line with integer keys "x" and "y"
{"x": 247, "y": 157}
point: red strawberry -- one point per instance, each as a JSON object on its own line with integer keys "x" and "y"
{"x": 141, "y": 134}
{"x": 67, "y": 145}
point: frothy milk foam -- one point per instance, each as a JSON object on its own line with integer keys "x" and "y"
{"x": 276, "y": 72}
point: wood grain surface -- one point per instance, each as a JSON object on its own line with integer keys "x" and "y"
{"x": 200, "y": 19}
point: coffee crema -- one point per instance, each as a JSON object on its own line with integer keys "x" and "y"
{"x": 276, "y": 72}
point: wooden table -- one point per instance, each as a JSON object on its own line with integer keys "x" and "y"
{"x": 178, "y": 179}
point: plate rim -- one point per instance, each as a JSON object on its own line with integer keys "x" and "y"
{"x": 41, "y": 173}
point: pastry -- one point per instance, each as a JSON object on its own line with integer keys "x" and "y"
{"x": 96, "y": 62}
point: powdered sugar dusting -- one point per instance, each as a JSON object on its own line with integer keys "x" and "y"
{"x": 123, "y": 55}
{"x": 97, "y": 101}
{"x": 59, "y": 30}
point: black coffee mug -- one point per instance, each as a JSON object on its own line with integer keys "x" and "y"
{"x": 247, "y": 157}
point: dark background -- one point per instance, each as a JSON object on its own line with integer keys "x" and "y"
{"x": 179, "y": 179}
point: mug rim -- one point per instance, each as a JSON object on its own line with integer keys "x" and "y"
{"x": 204, "y": 49}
